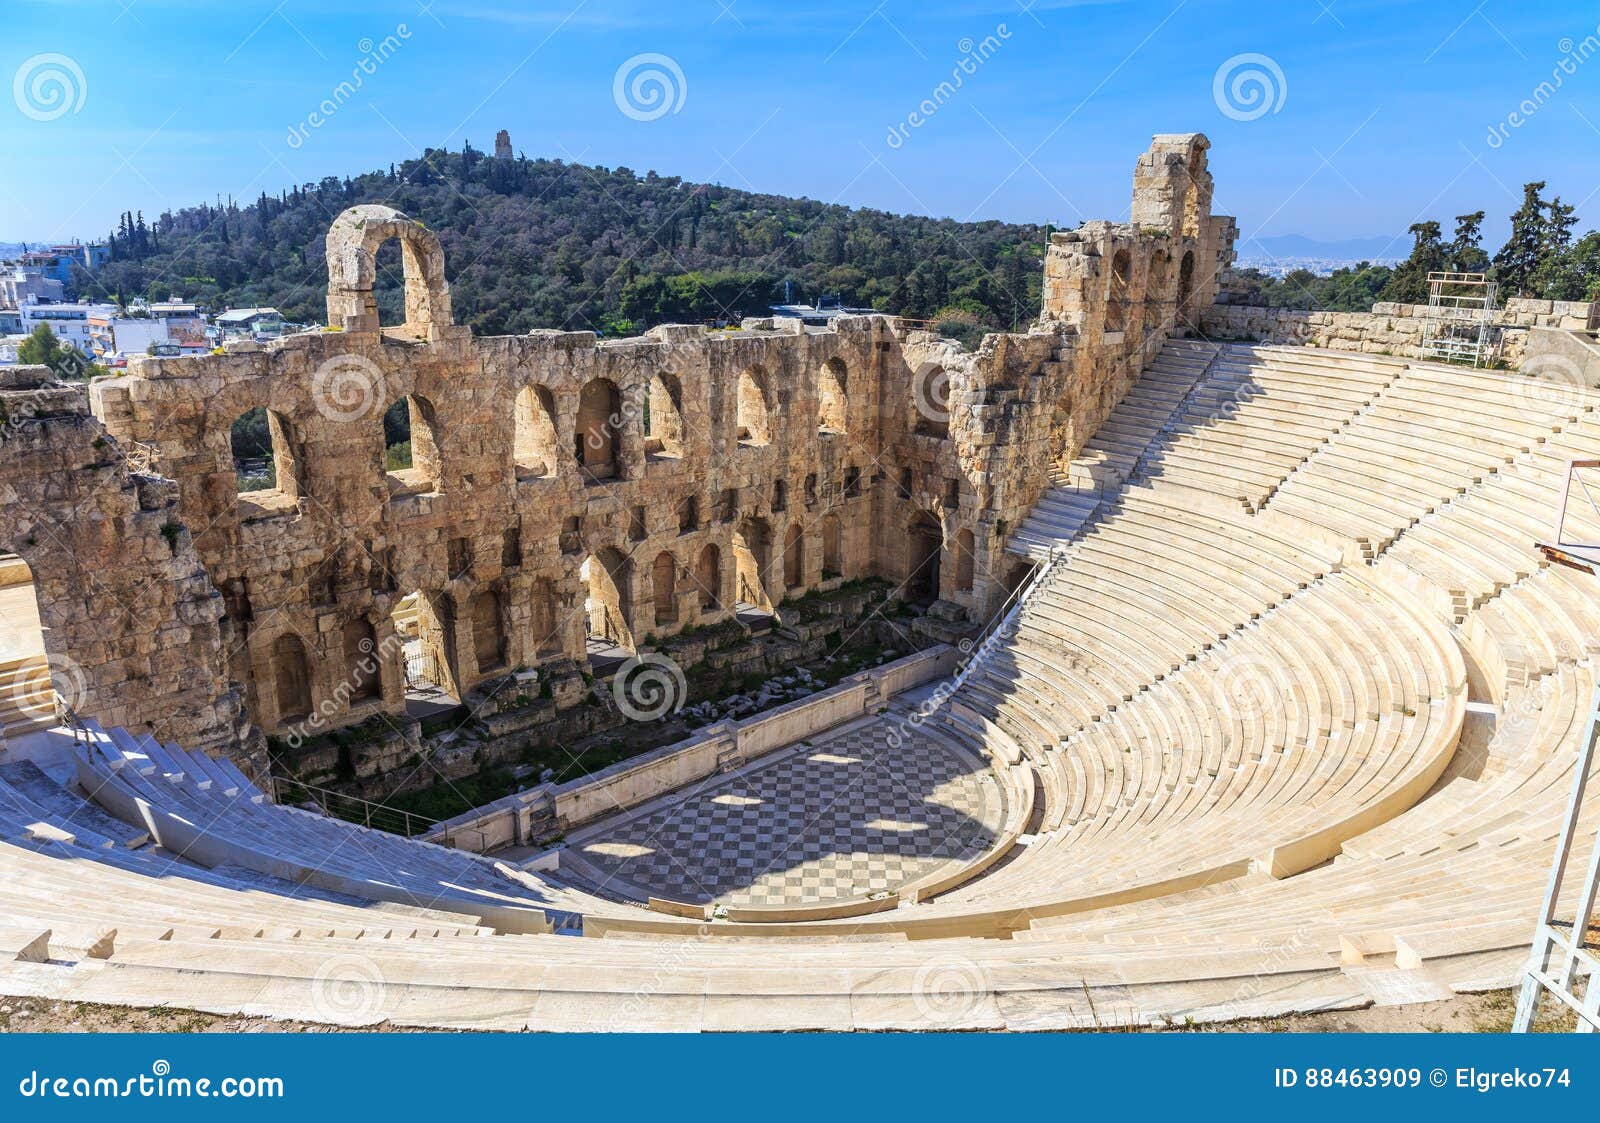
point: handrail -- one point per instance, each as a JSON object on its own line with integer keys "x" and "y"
{"x": 1001, "y": 622}
{"x": 411, "y": 824}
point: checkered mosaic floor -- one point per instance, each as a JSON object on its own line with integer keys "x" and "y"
{"x": 838, "y": 819}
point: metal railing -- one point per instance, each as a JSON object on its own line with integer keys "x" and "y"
{"x": 1001, "y": 622}
{"x": 352, "y": 809}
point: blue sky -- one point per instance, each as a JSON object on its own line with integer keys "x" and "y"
{"x": 1379, "y": 112}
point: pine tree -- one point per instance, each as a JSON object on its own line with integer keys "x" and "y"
{"x": 1409, "y": 285}
{"x": 1518, "y": 260}
{"x": 1466, "y": 250}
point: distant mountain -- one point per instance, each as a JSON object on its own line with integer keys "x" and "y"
{"x": 1346, "y": 249}
{"x": 9, "y": 251}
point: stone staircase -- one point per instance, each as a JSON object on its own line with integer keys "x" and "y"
{"x": 1110, "y": 457}
{"x": 27, "y": 700}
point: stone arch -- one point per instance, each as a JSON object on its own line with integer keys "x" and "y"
{"x": 833, "y": 384}
{"x": 262, "y": 456}
{"x": 752, "y": 555}
{"x": 598, "y": 442}
{"x": 924, "y": 546}
{"x": 965, "y": 562}
{"x": 291, "y": 678}
{"x": 753, "y": 410}
{"x": 832, "y": 554}
{"x": 363, "y": 666}
{"x": 535, "y": 445}
{"x": 1117, "y": 292}
{"x": 794, "y": 556}
{"x": 663, "y": 416}
{"x": 608, "y": 576}
{"x": 352, "y": 252}
{"x": 664, "y": 587}
{"x": 708, "y": 577}
{"x": 488, "y": 631}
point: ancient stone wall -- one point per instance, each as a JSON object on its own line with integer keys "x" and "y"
{"x": 1390, "y": 329}
{"x": 567, "y": 493}
{"x": 131, "y": 624}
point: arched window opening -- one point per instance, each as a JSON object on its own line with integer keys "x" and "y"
{"x": 752, "y": 413}
{"x": 264, "y": 463}
{"x": 688, "y": 514}
{"x": 362, "y": 665}
{"x": 752, "y": 554}
{"x": 535, "y": 448}
{"x": 291, "y": 677}
{"x": 599, "y": 434}
{"x": 664, "y": 586}
{"x": 708, "y": 578}
{"x": 663, "y": 417}
{"x": 608, "y": 578}
{"x": 424, "y": 624}
{"x": 1156, "y": 290}
{"x": 832, "y": 384}
{"x": 930, "y": 401}
{"x": 32, "y": 688}
{"x": 410, "y": 439}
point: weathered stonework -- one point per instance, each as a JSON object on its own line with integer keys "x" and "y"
{"x": 1391, "y": 329}
{"x": 565, "y": 487}
{"x": 132, "y": 624}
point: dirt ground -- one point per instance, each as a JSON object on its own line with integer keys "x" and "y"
{"x": 1475, "y": 1013}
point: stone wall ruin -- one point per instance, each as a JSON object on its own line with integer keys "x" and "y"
{"x": 565, "y": 490}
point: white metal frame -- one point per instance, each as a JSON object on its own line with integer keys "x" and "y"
{"x": 1460, "y": 313}
{"x": 1561, "y": 958}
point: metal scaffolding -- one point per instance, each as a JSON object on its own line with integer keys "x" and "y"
{"x": 1562, "y": 963}
{"x": 1460, "y": 315}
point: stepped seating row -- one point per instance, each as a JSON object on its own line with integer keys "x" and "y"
{"x": 1426, "y": 439}
{"x": 1143, "y": 590}
{"x": 1483, "y": 542}
{"x": 1336, "y": 710}
{"x": 1109, "y": 456}
{"x": 95, "y": 881}
{"x": 206, "y": 811}
{"x": 1256, "y": 417}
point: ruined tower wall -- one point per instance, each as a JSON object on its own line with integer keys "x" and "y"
{"x": 131, "y": 624}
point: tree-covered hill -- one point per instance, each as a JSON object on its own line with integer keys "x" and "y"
{"x": 544, "y": 243}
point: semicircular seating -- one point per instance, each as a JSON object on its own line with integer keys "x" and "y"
{"x": 1288, "y": 723}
